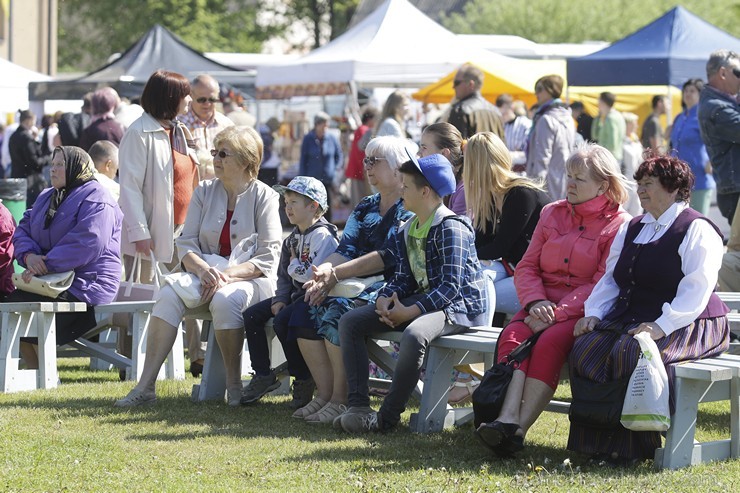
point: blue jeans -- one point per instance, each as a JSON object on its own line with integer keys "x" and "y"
{"x": 506, "y": 299}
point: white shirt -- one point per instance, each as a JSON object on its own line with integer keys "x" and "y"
{"x": 701, "y": 257}
{"x": 111, "y": 185}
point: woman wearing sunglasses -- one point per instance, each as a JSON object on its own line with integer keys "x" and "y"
{"x": 234, "y": 206}
{"x": 158, "y": 173}
{"x": 359, "y": 254}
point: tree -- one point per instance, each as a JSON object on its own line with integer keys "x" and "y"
{"x": 324, "y": 19}
{"x": 90, "y": 31}
{"x": 574, "y": 21}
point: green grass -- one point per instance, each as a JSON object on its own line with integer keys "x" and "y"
{"x": 73, "y": 439}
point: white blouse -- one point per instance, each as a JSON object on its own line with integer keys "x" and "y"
{"x": 701, "y": 257}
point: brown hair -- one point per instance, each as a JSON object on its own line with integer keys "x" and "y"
{"x": 163, "y": 93}
{"x": 551, "y": 84}
{"x": 447, "y": 136}
{"x": 672, "y": 173}
{"x": 471, "y": 72}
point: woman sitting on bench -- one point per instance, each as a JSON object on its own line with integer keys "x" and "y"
{"x": 660, "y": 278}
{"x": 223, "y": 211}
{"x": 73, "y": 226}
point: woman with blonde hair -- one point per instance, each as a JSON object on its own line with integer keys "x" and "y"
{"x": 565, "y": 259}
{"x": 393, "y": 116}
{"x": 505, "y": 208}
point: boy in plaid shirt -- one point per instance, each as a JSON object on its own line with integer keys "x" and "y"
{"x": 437, "y": 289}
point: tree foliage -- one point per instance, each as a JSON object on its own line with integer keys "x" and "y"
{"x": 324, "y": 19}
{"x": 574, "y": 21}
{"x": 92, "y": 30}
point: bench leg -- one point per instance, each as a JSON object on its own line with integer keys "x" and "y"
{"x": 277, "y": 361}
{"x": 213, "y": 382}
{"x": 46, "y": 331}
{"x": 735, "y": 417}
{"x": 139, "y": 326}
{"x": 106, "y": 338}
{"x": 679, "y": 443}
{"x": 433, "y": 411}
{"x": 174, "y": 366}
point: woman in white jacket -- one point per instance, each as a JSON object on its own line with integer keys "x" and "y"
{"x": 158, "y": 173}
{"x": 223, "y": 212}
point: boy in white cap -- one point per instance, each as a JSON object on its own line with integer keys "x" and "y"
{"x": 312, "y": 240}
{"x": 437, "y": 289}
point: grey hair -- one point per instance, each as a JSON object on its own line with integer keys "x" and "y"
{"x": 321, "y": 117}
{"x": 394, "y": 149}
{"x": 205, "y": 80}
{"x": 602, "y": 165}
{"x": 719, "y": 59}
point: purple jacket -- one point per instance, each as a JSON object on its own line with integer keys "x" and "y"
{"x": 85, "y": 236}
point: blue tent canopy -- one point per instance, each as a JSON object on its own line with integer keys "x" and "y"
{"x": 668, "y": 51}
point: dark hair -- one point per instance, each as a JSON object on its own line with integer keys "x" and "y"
{"x": 657, "y": 99}
{"x": 368, "y": 113}
{"x": 608, "y": 98}
{"x": 468, "y": 71}
{"x": 672, "y": 173}
{"x": 697, "y": 83}
{"x": 163, "y": 93}
{"x": 26, "y": 115}
{"x": 577, "y": 105}
{"x": 504, "y": 99}
{"x": 409, "y": 168}
{"x": 551, "y": 84}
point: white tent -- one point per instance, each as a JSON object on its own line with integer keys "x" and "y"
{"x": 397, "y": 45}
{"x": 14, "y": 86}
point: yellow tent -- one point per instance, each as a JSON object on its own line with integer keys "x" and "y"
{"x": 517, "y": 78}
{"x": 633, "y": 99}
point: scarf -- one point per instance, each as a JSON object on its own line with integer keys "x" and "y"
{"x": 181, "y": 138}
{"x": 78, "y": 170}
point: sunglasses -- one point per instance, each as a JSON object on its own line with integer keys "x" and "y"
{"x": 457, "y": 82}
{"x": 736, "y": 72}
{"x": 370, "y": 161}
{"x": 221, "y": 154}
{"x": 210, "y": 100}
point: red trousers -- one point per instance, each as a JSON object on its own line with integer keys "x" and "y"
{"x": 549, "y": 353}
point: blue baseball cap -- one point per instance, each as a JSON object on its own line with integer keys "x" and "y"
{"x": 307, "y": 186}
{"x": 438, "y": 172}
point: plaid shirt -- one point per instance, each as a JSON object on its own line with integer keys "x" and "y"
{"x": 205, "y": 132}
{"x": 452, "y": 268}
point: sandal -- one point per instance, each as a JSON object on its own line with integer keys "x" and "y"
{"x": 501, "y": 437}
{"x": 326, "y": 414}
{"x": 464, "y": 395}
{"x": 312, "y": 407}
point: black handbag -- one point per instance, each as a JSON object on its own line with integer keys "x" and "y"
{"x": 597, "y": 405}
{"x": 489, "y": 397}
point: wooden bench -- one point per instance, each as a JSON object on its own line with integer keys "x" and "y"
{"x": 30, "y": 319}
{"x": 212, "y": 385}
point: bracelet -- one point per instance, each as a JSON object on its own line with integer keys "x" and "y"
{"x": 334, "y": 273}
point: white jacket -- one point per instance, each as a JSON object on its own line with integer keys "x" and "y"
{"x": 145, "y": 175}
{"x": 256, "y": 211}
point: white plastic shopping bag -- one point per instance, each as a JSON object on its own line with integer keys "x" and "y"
{"x": 646, "y": 406}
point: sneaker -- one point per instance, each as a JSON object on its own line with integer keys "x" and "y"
{"x": 259, "y": 386}
{"x": 136, "y": 398}
{"x": 302, "y": 392}
{"x": 360, "y": 420}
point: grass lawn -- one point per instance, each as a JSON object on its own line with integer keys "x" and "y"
{"x": 73, "y": 439}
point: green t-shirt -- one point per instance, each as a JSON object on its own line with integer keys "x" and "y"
{"x": 416, "y": 249}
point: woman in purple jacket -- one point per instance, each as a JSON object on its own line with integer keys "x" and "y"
{"x": 75, "y": 225}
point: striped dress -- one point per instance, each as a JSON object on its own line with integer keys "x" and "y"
{"x": 609, "y": 354}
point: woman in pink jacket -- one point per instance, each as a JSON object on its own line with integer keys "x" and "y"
{"x": 565, "y": 259}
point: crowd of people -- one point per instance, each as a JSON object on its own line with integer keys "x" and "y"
{"x": 492, "y": 217}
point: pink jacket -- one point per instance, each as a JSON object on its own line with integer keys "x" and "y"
{"x": 567, "y": 254}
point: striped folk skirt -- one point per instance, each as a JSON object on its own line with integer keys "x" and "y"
{"x": 607, "y": 355}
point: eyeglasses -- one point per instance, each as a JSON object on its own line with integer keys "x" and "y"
{"x": 370, "y": 161}
{"x": 210, "y": 100}
{"x": 457, "y": 82}
{"x": 221, "y": 154}
{"x": 736, "y": 72}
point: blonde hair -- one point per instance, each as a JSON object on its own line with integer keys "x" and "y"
{"x": 487, "y": 175}
{"x": 602, "y": 166}
{"x": 393, "y": 107}
{"x": 247, "y": 146}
